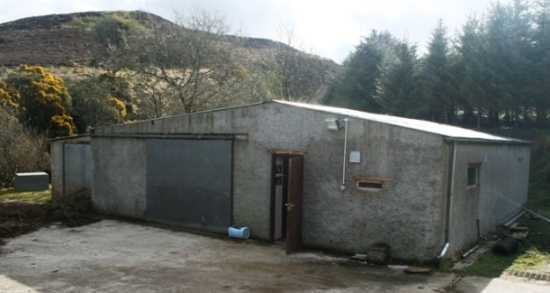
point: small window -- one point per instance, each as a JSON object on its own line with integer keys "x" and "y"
{"x": 369, "y": 185}
{"x": 473, "y": 175}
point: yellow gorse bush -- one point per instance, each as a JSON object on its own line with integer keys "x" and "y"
{"x": 41, "y": 99}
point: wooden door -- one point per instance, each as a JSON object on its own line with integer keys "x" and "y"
{"x": 294, "y": 204}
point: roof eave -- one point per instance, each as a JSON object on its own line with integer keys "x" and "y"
{"x": 494, "y": 141}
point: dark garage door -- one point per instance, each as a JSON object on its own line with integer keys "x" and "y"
{"x": 189, "y": 182}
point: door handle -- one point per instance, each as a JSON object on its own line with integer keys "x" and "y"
{"x": 289, "y": 206}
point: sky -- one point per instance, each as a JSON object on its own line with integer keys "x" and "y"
{"x": 330, "y": 29}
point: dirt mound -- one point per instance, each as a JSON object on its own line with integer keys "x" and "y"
{"x": 19, "y": 217}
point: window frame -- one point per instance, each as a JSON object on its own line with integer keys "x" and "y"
{"x": 476, "y": 167}
{"x": 377, "y": 183}
{"x": 369, "y": 185}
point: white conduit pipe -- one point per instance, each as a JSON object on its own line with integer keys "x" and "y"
{"x": 343, "y": 187}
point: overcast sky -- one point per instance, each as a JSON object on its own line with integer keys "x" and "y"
{"x": 328, "y": 28}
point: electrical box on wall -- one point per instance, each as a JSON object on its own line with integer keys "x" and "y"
{"x": 355, "y": 157}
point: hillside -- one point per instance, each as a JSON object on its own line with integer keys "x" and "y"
{"x": 67, "y": 40}
{"x": 47, "y": 41}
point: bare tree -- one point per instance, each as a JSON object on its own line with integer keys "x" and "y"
{"x": 190, "y": 61}
{"x": 154, "y": 98}
{"x": 294, "y": 74}
{"x": 21, "y": 149}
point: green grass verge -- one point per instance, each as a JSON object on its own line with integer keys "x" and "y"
{"x": 41, "y": 196}
{"x": 533, "y": 254}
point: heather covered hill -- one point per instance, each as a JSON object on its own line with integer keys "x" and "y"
{"x": 51, "y": 40}
{"x": 68, "y": 40}
{"x": 151, "y": 66}
{"x": 192, "y": 64}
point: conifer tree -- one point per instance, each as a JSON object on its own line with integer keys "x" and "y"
{"x": 539, "y": 82}
{"x": 396, "y": 87}
{"x": 356, "y": 86}
{"x": 437, "y": 97}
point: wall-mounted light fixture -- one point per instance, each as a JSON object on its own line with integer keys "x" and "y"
{"x": 333, "y": 124}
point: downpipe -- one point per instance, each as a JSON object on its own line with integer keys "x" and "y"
{"x": 479, "y": 231}
{"x": 450, "y": 188}
{"x": 343, "y": 186}
{"x": 443, "y": 251}
{"x": 63, "y": 170}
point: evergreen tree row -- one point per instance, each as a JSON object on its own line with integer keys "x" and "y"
{"x": 495, "y": 71}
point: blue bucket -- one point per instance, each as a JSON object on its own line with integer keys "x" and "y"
{"x": 238, "y": 232}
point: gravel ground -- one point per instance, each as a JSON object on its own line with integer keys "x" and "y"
{"x": 115, "y": 256}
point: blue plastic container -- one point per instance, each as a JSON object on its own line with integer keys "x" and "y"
{"x": 238, "y": 232}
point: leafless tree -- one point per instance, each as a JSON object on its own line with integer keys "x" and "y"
{"x": 190, "y": 61}
{"x": 294, "y": 74}
{"x": 21, "y": 149}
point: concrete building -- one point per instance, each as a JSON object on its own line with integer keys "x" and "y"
{"x": 313, "y": 176}
{"x": 71, "y": 159}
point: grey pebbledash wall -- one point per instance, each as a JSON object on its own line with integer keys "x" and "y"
{"x": 119, "y": 176}
{"x": 502, "y": 189}
{"x": 408, "y": 213}
{"x": 71, "y": 166}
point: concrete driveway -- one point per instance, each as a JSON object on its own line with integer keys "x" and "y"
{"x": 114, "y": 256}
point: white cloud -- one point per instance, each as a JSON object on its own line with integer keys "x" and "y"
{"x": 336, "y": 25}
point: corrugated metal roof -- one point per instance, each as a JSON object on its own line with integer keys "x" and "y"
{"x": 448, "y": 131}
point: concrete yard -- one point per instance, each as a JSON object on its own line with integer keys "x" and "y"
{"x": 114, "y": 256}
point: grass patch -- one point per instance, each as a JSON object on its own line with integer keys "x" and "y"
{"x": 445, "y": 265}
{"x": 490, "y": 265}
{"x": 86, "y": 23}
{"x": 42, "y": 196}
{"x": 533, "y": 254}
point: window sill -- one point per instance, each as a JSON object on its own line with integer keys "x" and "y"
{"x": 372, "y": 179}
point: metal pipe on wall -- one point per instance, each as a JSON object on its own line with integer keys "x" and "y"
{"x": 450, "y": 187}
{"x": 343, "y": 187}
{"x": 479, "y": 230}
{"x": 63, "y": 170}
